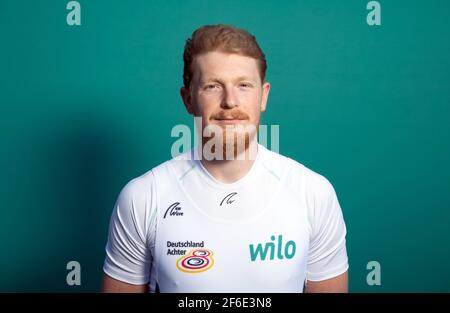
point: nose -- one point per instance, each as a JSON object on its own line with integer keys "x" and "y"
{"x": 230, "y": 99}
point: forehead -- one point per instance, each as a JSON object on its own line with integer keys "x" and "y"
{"x": 225, "y": 66}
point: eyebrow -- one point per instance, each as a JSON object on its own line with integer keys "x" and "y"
{"x": 218, "y": 80}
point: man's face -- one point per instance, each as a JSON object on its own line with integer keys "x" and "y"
{"x": 226, "y": 90}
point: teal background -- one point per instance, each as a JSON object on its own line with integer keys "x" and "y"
{"x": 84, "y": 109}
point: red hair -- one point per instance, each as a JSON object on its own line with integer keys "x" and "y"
{"x": 222, "y": 38}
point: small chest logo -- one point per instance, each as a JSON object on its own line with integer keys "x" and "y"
{"x": 173, "y": 210}
{"x": 196, "y": 261}
{"x": 262, "y": 250}
{"x": 228, "y": 198}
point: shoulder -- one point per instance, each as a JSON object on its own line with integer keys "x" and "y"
{"x": 276, "y": 163}
{"x": 316, "y": 191}
{"x": 144, "y": 185}
{"x": 302, "y": 178}
{"x": 138, "y": 187}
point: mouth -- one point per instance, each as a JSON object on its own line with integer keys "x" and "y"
{"x": 229, "y": 120}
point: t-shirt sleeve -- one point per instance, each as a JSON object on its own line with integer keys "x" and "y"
{"x": 327, "y": 257}
{"x": 128, "y": 253}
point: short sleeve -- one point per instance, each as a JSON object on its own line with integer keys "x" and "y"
{"x": 131, "y": 229}
{"x": 327, "y": 257}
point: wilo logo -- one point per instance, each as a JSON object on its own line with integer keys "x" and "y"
{"x": 261, "y": 250}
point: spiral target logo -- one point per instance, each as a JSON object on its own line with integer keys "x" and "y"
{"x": 196, "y": 261}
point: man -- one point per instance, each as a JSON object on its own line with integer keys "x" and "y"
{"x": 235, "y": 217}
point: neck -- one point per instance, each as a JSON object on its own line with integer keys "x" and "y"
{"x": 229, "y": 171}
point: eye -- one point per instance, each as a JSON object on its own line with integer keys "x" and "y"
{"x": 211, "y": 86}
{"x": 245, "y": 85}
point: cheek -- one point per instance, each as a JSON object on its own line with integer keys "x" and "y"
{"x": 253, "y": 98}
{"x": 254, "y": 105}
{"x": 204, "y": 111}
{"x": 207, "y": 103}
{"x": 256, "y": 114}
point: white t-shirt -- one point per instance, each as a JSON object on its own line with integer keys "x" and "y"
{"x": 180, "y": 230}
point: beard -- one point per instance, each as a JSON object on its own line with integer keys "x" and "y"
{"x": 229, "y": 142}
{"x": 232, "y": 142}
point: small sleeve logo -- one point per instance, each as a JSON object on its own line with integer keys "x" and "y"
{"x": 173, "y": 210}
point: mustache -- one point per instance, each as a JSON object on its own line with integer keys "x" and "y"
{"x": 234, "y": 115}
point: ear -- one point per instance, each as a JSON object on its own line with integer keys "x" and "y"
{"x": 187, "y": 99}
{"x": 265, "y": 95}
